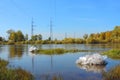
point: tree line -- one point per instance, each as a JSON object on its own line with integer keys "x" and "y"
{"x": 105, "y": 37}
{"x": 112, "y": 36}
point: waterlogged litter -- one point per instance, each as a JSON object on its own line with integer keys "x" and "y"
{"x": 33, "y": 48}
{"x": 94, "y": 59}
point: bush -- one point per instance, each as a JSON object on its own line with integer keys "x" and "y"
{"x": 10, "y": 42}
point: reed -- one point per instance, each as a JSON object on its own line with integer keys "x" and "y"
{"x": 112, "y": 74}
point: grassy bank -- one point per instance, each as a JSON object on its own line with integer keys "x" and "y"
{"x": 13, "y": 74}
{"x": 114, "y": 53}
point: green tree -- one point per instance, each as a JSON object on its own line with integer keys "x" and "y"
{"x": 39, "y": 37}
{"x": 34, "y": 38}
{"x": 13, "y": 36}
{"x": 1, "y": 39}
{"x": 20, "y": 36}
{"x": 16, "y": 36}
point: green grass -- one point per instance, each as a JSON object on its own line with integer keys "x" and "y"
{"x": 59, "y": 51}
{"x": 114, "y": 53}
{"x": 13, "y": 74}
{"x": 112, "y": 74}
{"x": 52, "y": 51}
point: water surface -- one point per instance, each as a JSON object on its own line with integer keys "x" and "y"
{"x": 54, "y": 67}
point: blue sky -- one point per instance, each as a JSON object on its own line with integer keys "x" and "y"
{"x": 74, "y": 17}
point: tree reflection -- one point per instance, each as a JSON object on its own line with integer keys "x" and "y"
{"x": 92, "y": 68}
{"x": 15, "y": 51}
{"x": 0, "y": 48}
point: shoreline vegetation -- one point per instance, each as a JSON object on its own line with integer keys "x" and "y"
{"x": 13, "y": 74}
{"x": 112, "y": 74}
{"x": 113, "y": 53}
{"x": 59, "y": 51}
{"x": 17, "y": 37}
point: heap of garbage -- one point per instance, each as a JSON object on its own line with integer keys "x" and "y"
{"x": 33, "y": 48}
{"x": 94, "y": 59}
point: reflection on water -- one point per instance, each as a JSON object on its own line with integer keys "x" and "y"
{"x": 15, "y": 51}
{"x": 0, "y": 48}
{"x": 32, "y": 55}
{"x": 51, "y": 77}
{"x": 92, "y": 68}
{"x": 104, "y": 46}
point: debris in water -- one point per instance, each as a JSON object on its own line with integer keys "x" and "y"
{"x": 33, "y": 48}
{"x": 94, "y": 59}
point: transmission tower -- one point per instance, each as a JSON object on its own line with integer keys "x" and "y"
{"x": 32, "y": 28}
{"x": 51, "y": 31}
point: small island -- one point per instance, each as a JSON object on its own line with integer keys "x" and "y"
{"x": 58, "y": 51}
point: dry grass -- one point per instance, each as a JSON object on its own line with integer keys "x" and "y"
{"x": 113, "y": 74}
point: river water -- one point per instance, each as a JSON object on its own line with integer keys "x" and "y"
{"x": 57, "y": 67}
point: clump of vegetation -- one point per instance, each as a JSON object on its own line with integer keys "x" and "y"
{"x": 3, "y": 63}
{"x": 114, "y": 53}
{"x": 52, "y": 51}
{"x": 113, "y": 74}
{"x": 13, "y": 74}
{"x": 59, "y": 51}
{"x": 10, "y": 42}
